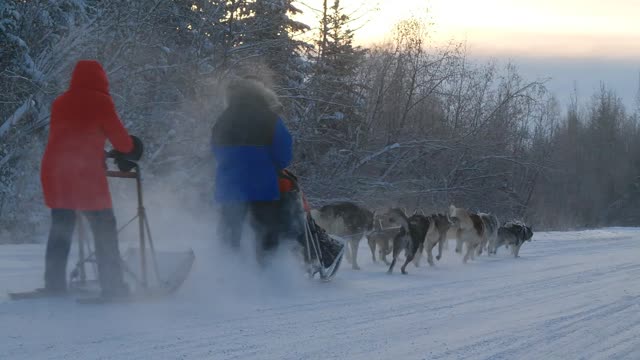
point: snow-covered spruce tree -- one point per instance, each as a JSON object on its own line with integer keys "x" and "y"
{"x": 335, "y": 66}
{"x": 333, "y": 115}
{"x": 37, "y": 41}
{"x": 271, "y": 34}
{"x": 156, "y": 55}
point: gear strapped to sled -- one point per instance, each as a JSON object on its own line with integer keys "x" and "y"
{"x": 153, "y": 273}
{"x": 322, "y": 254}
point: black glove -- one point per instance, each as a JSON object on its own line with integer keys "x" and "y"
{"x": 136, "y": 153}
{"x": 126, "y": 161}
{"x": 124, "y": 164}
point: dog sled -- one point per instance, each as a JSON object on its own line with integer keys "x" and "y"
{"x": 148, "y": 272}
{"x": 321, "y": 253}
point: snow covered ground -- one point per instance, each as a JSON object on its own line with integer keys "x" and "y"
{"x": 572, "y": 295}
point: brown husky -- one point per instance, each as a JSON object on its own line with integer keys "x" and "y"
{"x": 437, "y": 235}
{"x": 346, "y": 220}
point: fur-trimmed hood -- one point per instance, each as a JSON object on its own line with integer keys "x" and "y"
{"x": 251, "y": 91}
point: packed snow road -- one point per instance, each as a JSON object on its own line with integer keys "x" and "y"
{"x": 572, "y": 295}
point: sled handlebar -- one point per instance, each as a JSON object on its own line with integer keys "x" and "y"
{"x": 129, "y": 165}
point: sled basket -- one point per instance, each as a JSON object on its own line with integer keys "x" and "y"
{"x": 323, "y": 253}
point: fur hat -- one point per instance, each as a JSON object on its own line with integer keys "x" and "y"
{"x": 251, "y": 89}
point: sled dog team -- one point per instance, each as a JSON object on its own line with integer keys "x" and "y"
{"x": 393, "y": 231}
{"x": 251, "y": 147}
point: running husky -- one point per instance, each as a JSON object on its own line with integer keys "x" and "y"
{"x": 346, "y": 220}
{"x": 491, "y": 225}
{"x": 470, "y": 231}
{"x": 513, "y": 234}
{"x": 381, "y": 237}
{"x": 439, "y": 225}
{"x": 413, "y": 231}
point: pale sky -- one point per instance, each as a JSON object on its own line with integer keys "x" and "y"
{"x": 547, "y": 37}
{"x": 520, "y": 27}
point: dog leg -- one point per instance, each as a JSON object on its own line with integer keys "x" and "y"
{"x": 499, "y": 243}
{"x": 480, "y": 247}
{"x": 406, "y": 262}
{"x": 354, "y": 253}
{"x": 347, "y": 251}
{"x": 458, "y": 245}
{"x": 516, "y": 250}
{"x": 430, "y": 253}
{"x": 382, "y": 254}
{"x": 494, "y": 245}
{"x": 418, "y": 256}
{"x": 393, "y": 263}
{"x": 398, "y": 245}
{"x": 372, "y": 247}
{"x": 385, "y": 249}
{"x": 441, "y": 242}
{"x": 471, "y": 248}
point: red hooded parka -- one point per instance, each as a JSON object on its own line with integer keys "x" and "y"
{"x": 82, "y": 119}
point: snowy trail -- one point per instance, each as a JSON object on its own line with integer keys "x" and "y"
{"x": 573, "y": 295}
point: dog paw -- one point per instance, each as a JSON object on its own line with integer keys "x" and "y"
{"x": 438, "y": 257}
{"x": 404, "y": 272}
{"x": 431, "y": 263}
{"x": 355, "y": 267}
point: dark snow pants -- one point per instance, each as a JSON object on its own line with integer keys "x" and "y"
{"x": 265, "y": 218}
{"x": 105, "y": 235}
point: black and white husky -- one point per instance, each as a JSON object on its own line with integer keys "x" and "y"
{"x": 513, "y": 234}
{"x": 348, "y": 221}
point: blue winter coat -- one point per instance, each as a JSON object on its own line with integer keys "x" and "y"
{"x": 251, "y": 145}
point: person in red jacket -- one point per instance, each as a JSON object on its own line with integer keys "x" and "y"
{"x": 74, "y": 179}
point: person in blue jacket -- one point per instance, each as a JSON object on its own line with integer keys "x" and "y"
{"x": 251, "y": 145}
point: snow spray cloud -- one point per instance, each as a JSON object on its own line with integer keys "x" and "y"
{"x": 178, "y": 182}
